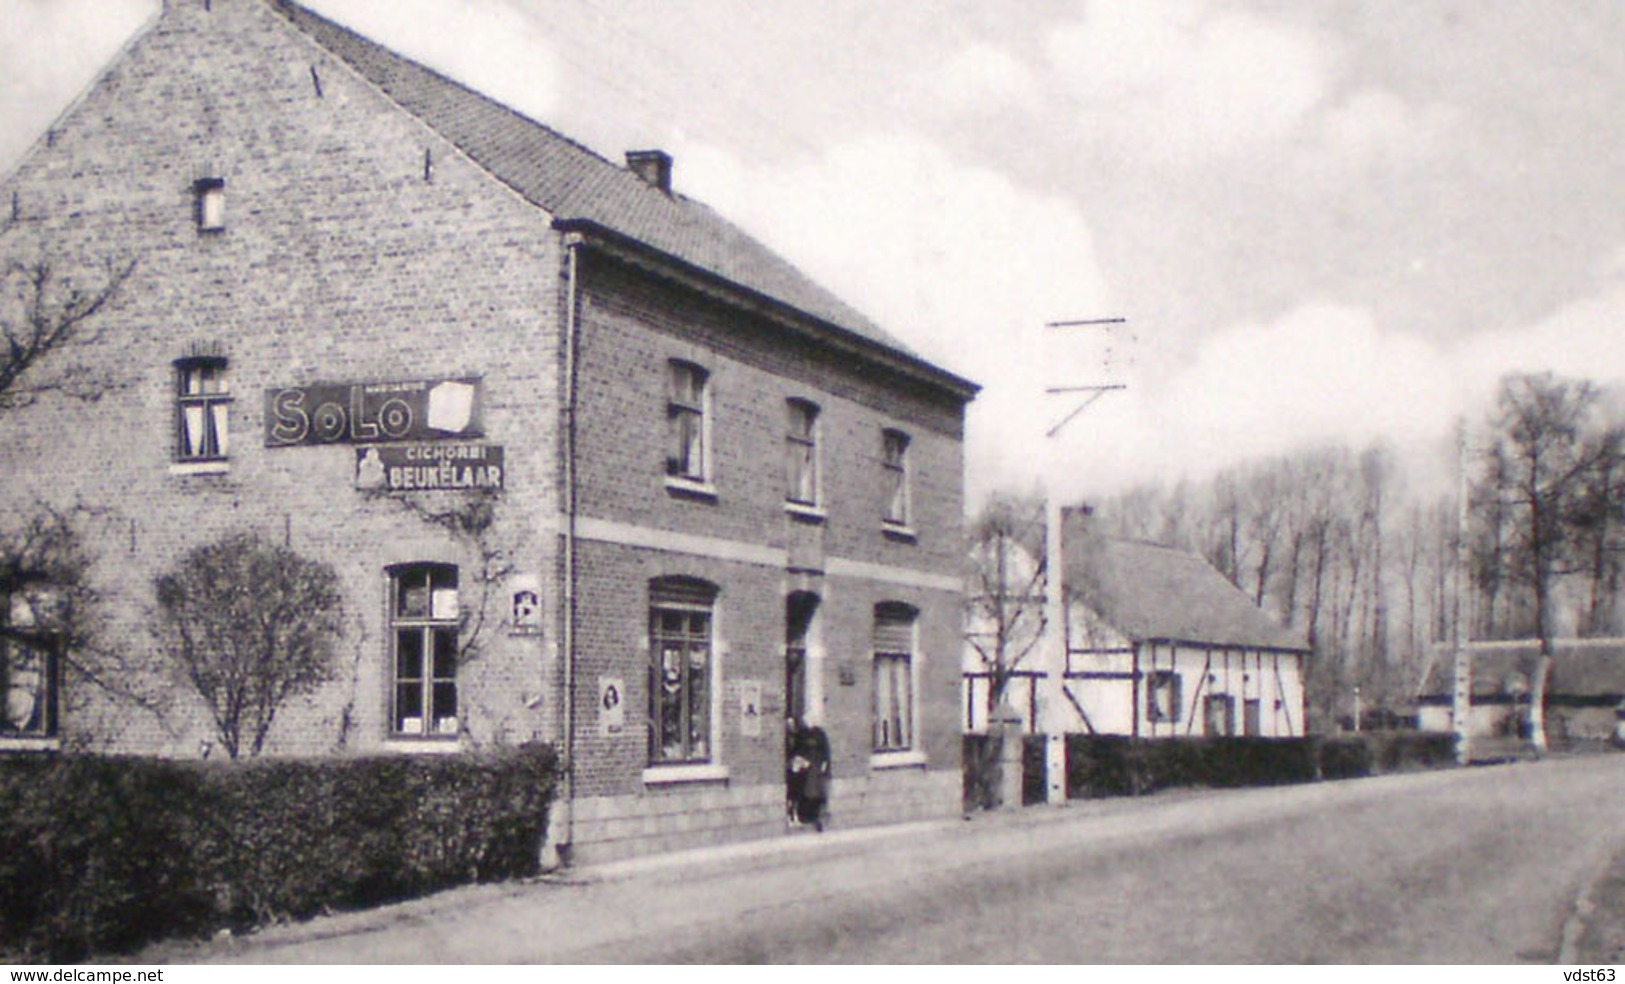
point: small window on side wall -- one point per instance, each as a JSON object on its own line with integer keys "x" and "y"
{"x": 211, "y": 204}
{"x": 1162, "y": 701}
{"x": 202, "y": 410}
{"x": 29, "y": 671}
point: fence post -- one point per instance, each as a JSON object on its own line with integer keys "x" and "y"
{"x": 1005, "y": 726}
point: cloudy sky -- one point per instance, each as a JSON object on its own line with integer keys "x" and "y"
{"x": 1333, "y": 220}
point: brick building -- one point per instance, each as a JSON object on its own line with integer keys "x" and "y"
{"x": 593, "y": 466}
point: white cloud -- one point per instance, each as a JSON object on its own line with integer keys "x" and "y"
{"x": 491, "y": 47}
{"x": 1374, "y": 127}
{"x": 957, "y": 261}
{"x": 51, "y": 50}
{"x": 1582, "y": 339}
{"x": 1174, "y": 80}
{"x": 978, "y": 81}
{"x": 1324, "y": 373}
{"x": 1183, "y": 83}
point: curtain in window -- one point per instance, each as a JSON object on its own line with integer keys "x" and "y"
{"x": 680, "y": 630}
{"x": 893, "y": 655}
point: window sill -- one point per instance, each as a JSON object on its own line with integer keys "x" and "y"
{"x": 30, "y": 745}
{"x": 907, "y": 759}
{"x": 691, "y": 489}
{"x": 423, "y": 746}
{"x": 805, "y": 512}
{"x": 897, "y": 531}
{"x": 668, "y": 775}
{"x": 199, "y": 467}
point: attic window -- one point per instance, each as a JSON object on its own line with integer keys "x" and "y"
{"x": 211, "y": 204}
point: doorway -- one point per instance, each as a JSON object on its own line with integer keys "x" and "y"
{"x": 799, "y": 609}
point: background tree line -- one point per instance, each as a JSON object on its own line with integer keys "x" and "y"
{"x": 1341, "y": 544}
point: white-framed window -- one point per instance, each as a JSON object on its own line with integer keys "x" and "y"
{"x": 682, "y": 626}
{"x": 894, "y": 676}
{"x": 894, "y": 463}
{"x": 425, "y": 619}
{"x": 1162, "y": 697}
{"x": 29, "y": 672}
{"x": 801, "y": 452}
{"x": 202, "y": 410}
{"x": 687, "y": 422}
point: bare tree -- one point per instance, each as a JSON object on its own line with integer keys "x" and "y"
{"x": 47, "y": 307}
{"x": 1552, "y": 447}
{"x": 45, "y": 311}
{"x": 249, "y": 625}
{"x": 1005, "y": 617}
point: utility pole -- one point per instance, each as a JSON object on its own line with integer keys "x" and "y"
{"x": 1461, "y": 704}
{"x": 1055, "y": 634}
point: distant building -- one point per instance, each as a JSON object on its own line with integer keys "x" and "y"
{"x": 1158, "y": 645}
{"x": 1584, "y": 693}
{"x": 367, "y": 297}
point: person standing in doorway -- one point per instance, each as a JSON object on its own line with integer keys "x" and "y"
{"x": 809, "y": 781}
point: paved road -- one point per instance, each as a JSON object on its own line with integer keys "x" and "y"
{"x": 1472, "y": 866}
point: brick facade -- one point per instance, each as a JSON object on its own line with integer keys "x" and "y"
{"x": 363, "y": 245}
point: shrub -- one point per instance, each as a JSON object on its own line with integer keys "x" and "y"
{"x": 1112, "y": 765}
{"x": 1402, "y": 751}
{"x": 1346, "y": 757}
{"x": 250, "y": 625}
{"x": 96, "y": 854}
{"x": 105, "y": 854}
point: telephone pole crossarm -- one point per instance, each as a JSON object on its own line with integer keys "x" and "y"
{"x": 1095, "y": 393}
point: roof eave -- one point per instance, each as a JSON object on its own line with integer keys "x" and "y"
{"x": 629, "y": 248}
{"x": 1198, "y": 644}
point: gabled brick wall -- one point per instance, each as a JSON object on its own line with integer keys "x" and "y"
{"x": 346, "y": 257}
{"x": 338, "y": 262}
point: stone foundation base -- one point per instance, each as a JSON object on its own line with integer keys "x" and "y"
{"x": 615, "y": 828}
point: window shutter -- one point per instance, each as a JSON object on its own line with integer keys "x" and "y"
{"x": 681, "y": 591}
{"x": 894, "y": 632}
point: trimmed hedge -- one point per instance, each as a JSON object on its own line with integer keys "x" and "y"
{"x": 1109, "y": 765}
{"x": 1347, "y": 757}
{"x": 1403, "y": 751}
{"x": 104, "y": 854}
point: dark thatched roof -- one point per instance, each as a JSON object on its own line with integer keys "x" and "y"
{"x": 1580, "y": 668}
{"x": 1150, "y": 592}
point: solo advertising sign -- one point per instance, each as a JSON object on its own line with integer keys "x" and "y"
{"x": 429, "y": 467}
{"x": 372, "y": 413}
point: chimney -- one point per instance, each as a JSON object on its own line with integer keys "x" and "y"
{"x": 653, "y": 166}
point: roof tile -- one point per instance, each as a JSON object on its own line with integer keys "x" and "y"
{"x": 1148, "y": 591}
{"x": 574, "y": 184}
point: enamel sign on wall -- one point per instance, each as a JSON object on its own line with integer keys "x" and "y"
{"x": 372, "y": 413}
{"x": 429, "y": 467}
